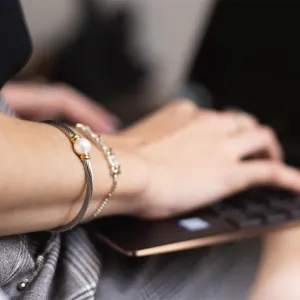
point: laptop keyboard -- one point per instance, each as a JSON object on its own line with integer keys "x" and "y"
{"x": 259, "y": 207}
{"x": 244, "y": 215}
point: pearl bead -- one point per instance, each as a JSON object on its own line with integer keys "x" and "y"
{"x": 82, "y": 146}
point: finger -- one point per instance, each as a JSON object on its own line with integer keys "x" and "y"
{"x": 39, "y": 101}
{"x": 244, "y": 120}
{"x": 251, "y": 143}
{"x": 25, "y": 101}
{"x": 77, "y": 107}
{"x": 224, "y": 124}
{"x": 266, "y": 172}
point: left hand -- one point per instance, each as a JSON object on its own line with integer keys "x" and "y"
{"x": 197, "y": 157}
{"x": 34, "y": 101}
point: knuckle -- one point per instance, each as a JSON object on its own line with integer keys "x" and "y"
{"x": 62, "y": 88}
{"x": 251, "y": 120}
{"x": 185, "y": 106}
{"x": 210, "y": 115}
{"x": 269, "y": 133}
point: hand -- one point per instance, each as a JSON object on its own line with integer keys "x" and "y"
{"x": 39, "y": 102}
{"x": 197, "y": 157}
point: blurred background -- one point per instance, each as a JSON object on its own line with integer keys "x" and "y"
{"x": 133, "y": 56}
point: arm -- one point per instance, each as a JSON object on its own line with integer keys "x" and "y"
{"x": 279, "y": 272}
{"x": 42, "y": 180}
{"x": 170, "y": 165}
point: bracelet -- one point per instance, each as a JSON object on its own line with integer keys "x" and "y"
{"x": 81, "y": 147}
{"x": 114, "y": 166}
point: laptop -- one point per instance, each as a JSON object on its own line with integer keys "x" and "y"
{"x": 248, "y": 214}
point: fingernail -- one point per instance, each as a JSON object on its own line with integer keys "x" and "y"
{"x": 112, "y": 125}
{"x": 108, "y": 129}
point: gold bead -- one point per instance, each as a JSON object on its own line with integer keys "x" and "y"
{"x": 75, "y": 138}
{"x": 84, "y": 156}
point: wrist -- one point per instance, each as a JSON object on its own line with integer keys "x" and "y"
{"x": 131, "y": 183}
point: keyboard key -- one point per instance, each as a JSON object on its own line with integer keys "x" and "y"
{"x": 276, "y": 203}
{"x": 254, "y": 207}
{"x": 222, "y": 207}
{"x": 292, "y": 210}
{"x": 295, "y": 213}
{"x": 275, "y": 217}
{"x": 242, "y": 221}
{"x": 296, "y": 200}
{"x": 259, "y": 206}
{"x": 227, "y": 213}
{"x": 250, "y": 223}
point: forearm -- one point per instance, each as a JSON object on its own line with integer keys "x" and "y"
{"x": 42, "y": 181}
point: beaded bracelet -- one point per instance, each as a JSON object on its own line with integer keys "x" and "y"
{"x": 82, "y": 148}
{"x": 114, "y": 166}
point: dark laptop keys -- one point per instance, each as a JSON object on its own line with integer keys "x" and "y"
{"x": 273, "y": 216}
{"x": 251, "y": 207}
{"x": 268, "y": 214}
{"x": 257, "y": 207}
{"x": 241, "y": 220}
{"x": 291, "y": 205}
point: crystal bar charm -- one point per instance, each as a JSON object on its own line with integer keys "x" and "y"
{"x": 113, "y": 164}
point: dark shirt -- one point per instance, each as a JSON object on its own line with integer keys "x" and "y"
{"x": 79, "y": 269}
{"x": 15, "y": 44}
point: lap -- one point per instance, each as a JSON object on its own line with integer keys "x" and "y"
{"x": 223, "y": 272}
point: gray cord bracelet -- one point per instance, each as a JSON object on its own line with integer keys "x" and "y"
{"x": 82, "y": 147}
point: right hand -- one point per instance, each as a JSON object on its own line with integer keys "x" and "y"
{"x": 196, "y": 157}
{"x": 36, "y": 102}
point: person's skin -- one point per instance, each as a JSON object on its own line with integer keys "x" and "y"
{"x": 36, "y": 101}
{"x": 279, "y": 272}
{"x": 41, "y": 178}
{"x": 176, "y": 160}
